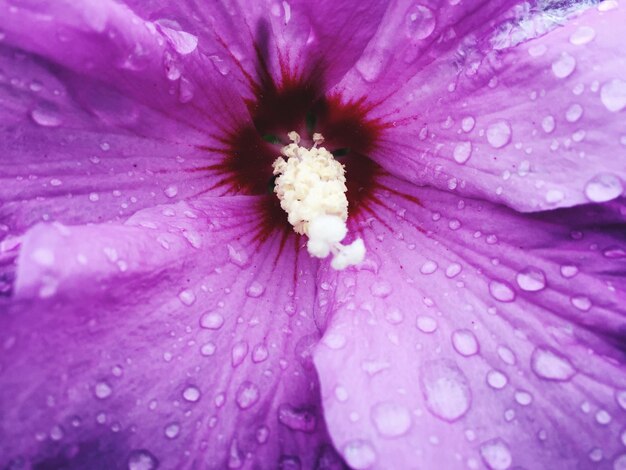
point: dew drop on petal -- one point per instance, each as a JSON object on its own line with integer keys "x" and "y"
{"x": 523, "y": 398}
{"x": 103, "y": 390}
{"x": 255, "y": 289}
{"x": 429, "y": 267}
{"x": 142, "y": 459}
{"x": 531, "y": 279}
{"x": 568, "y": 271}
{"x": 46, "y": 117}
{"x": 501, "y": 291}
{"x": 465, "y": 342}
{"x": 187, "y": 297}
{"x": 550, "y": 365}
{"x": 603, "y": 187}
{"x": 581, "y": 302}
{"x": 613, "y": 95}
{"x": 583, "y": 35}
{"x": 191, "y": 394}
{"x": 184, "y": 42}
{"x": 359, "y": 454}
{"x": 426, "y": 324}
{"x": 496, "y": 454}
{"x": 391, "y": 419}
{"x": 620, "y": 462}
{"x": 499, "y": 134}
{"x": 462, "y": 152}
{"x": 247, "y": 395}
{"x": 446, "y": 390}
{"x": 171, "y": 191}
{"x": 172, "y": 430}
{"x": 548, "y": 124}
{"x": 211, "y": 321}
{"x": 239, "y": 353}
{"x": 453, "y": 270}
{"x": 467, "y": 123}
{"x": 208, "y": 349}
{"x": 563, "y": 66}
{"x": 496, "y": 379}
{"x": 420, "y": 22}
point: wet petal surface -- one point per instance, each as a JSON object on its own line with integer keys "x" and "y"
{"x": 475, "y": 337}
{"x": 504, "y": 104}
{"x": 165, "y": 341}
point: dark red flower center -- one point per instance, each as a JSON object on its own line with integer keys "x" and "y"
{"x": 299, "y": 104}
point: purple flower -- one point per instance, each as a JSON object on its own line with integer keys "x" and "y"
{"x": 159, "y": 311}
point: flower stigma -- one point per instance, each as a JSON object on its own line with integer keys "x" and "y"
{"x": 311, "y": 187}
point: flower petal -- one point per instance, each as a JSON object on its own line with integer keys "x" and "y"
{"x": 480, "y": 107}
{"x": 85, "y": 137}
{"x": 475, "y": 337}
{"x": 293, "y": 39}
{"x": 166, "y": 340}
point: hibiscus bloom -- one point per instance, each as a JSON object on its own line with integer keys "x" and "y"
{"x": 159, "y": 311}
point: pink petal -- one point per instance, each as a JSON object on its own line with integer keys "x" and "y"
{"x": 478, "y": 107}
{"x": 293, "y": 39}
{"x": 86, "y": 135}
{"x": 165, "y": 340}
{"x": 475, "y": 337}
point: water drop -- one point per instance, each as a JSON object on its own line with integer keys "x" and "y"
{"x": 381, "y": 289}
{"x": 46, "y": 117}
{"x": 603, "y": 417}
{"x": 255, "y": 289}
{"x": 260, "y": 353}
{"x": 581, "y": 302}
{"x": 568, "y": 271}
{"x": 359, "y": 454}
{"x": 172, "y": 430}
{"x": 496, "y": 454}
{"x": 211, "y": 321}
{"x": 496, "y": 379}
{"x": 462, "y": 152}
{"x": 523, "y": 398}
{"x": 467, "y": 123}
{"x": 429, "y": 267}
{"x": 582, "y": 35}
{"x": 501, "y": 291}
{"x": 531, "y": 279}
{"x": 103, "y": 390}
{"x": 563, "y": 66}
{"x": 603, "y": 187}
{"x": 420, "y": 22}
{"x": 499, "y": 134}
{"x": 550, "y": 365}
{"x": 262, "y": 434}
{"x": 574, "y": 113}
{"x": 391, "y": 419}
{"x": 187, "y": 297}
{"x": 142, "y": 460}
{"x": 171, "y": 191}
{"x": 446, "y": 390}
{"x": 184, "y": 43}
{"x": 613, "y": 95}
{"x": 237, "y": 254}
{"x": 426, "y": 324}
{"x": 239, "y": 353}
{"x": 548, "y": 124}
{"x": 247, "y": 395}
{"x": 186, "y": 90}
{"x": 191, "y": 394}
{"x": 465, "y": 342}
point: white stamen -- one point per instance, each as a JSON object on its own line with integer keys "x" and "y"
{"x": 312, "y": 189}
